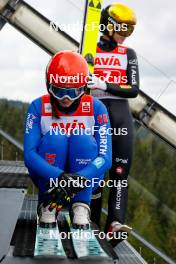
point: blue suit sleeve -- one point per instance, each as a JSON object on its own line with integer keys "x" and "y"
{"x": 32, "y": 138}
{"x": 102, "y": 129}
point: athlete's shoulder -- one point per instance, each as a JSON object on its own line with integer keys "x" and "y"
{"x": 42, "y": 98}
{"x": 131, "y": 52}
{"x": 36, "y": 105}
{"x": 37, "y": 101}
{"x": 129, "y": 49}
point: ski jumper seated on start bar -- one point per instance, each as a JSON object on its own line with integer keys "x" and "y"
{"x": 66, "y": 141}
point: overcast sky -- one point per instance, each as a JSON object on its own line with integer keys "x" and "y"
{"x": 22, "y": 63}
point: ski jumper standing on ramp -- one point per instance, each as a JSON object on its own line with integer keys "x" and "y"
{"x": 115, "y": 79}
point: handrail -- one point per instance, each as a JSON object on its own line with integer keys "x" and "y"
{"x": 11, "y": 139}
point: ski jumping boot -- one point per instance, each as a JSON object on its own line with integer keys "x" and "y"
{"x": 47, "y": 218}
{"x": 118, "y": 232}
{"x": 80, "y": 216}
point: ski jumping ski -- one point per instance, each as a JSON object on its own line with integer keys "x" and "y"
{"x": 48, "y": 243}
{"x": 89, "y": 39}
{"x": 85, "y": 243}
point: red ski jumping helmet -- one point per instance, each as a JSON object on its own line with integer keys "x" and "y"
{"x": 67, "y": 75}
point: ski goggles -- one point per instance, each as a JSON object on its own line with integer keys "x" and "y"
{"x": 70, "y": 93}
{"x": 123, "y": 29}
{"x": 127, "y": 30}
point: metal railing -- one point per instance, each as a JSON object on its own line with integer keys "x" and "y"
{"x": 11, "y": 139}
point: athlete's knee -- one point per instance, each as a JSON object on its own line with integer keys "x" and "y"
{"x": 54, "y": 139}
{"x": 81, "y": 137}
{"x": 85, "y": 144}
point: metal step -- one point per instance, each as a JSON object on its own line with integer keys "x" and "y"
{"x": 128, "y": 255}
{"x": 10, "y": 205}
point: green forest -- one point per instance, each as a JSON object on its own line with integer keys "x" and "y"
{"x": 152, "y": 197}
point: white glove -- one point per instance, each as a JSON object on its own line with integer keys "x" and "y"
{"x": 96, "y": 83}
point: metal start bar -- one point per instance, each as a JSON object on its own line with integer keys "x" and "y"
{"x": 38, "y": 29}
{"x": 154, "y": 117}
{"x": 35, "y": 26}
